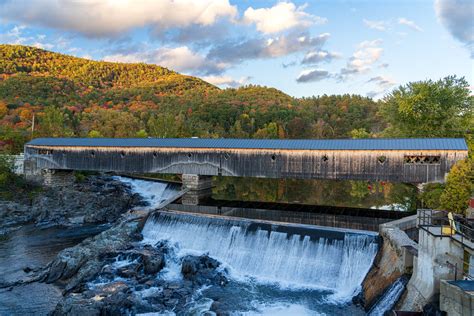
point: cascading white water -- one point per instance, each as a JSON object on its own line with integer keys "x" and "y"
{"x": 152, "y": 192}
{"x": 338, "y": 266}
{"x": 389, "y": 298}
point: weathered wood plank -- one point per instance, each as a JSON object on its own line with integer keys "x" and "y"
{"x": 270, "y": 163}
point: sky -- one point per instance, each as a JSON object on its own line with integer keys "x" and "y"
{"x": 303, "y": 48}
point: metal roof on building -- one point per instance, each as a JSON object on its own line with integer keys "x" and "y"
{"x": 292, "y": 144}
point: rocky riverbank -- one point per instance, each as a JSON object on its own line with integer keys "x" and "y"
{"x": 97, "y": 199}
{"x": 39, "y": 226}
{"x": 111, "y": 272}
{"x": 121, "y": 282}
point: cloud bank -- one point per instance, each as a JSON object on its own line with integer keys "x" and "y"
{"x": 458, "y": 16}
{"x": 103, "y": 18}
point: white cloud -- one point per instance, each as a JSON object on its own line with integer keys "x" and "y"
{"x": 410, "y": 24}
{"x": 20, "y": 35}
{"x": 382, "y": 83}
{"x": 42, "y": 45}
{"x": 234, "y": 52}
{"x": 101, "y": 18}
{"x": 376, "y": 25}
{"x": 281, "y": 17}
{"x": 226, "y": 81}
{"x": 366, "y": 54}
{"x": 318, "y": 56}
{"x": 179, "y": 59}
{"x": 458, "y": 16}
{"x": 312, "y": 75}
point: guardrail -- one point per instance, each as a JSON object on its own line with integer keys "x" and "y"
{"x": 455, "y": 227}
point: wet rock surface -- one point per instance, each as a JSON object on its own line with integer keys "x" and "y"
{"x": 87, "y": 202}
{"x": 130, "y": 281}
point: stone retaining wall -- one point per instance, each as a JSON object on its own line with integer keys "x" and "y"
{"x": 394, "y": 259}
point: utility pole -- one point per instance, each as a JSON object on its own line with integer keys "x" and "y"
{"x": 32, "y": 125}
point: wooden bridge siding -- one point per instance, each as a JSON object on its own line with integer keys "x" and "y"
{"x": 342, "y": 164}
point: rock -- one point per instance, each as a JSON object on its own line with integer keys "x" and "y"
{"x": 153, "y": 262}
{"x": 127, "y": 272}
{"x": 171, "y": 302}
{"x": 202, "y": 270}
{"x": 13, "y": 214}
{"x": 56, "y": 271}
{"x": 114, "y": 287}
{"x": 219, "y": 308}
{"x": 71, "y": 262}
{"x": 76, "y": 306}
{"x": 27, "y": 269}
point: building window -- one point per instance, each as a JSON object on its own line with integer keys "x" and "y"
{"x": 93, "y": 154}
{"x": 381, "y": 159}
{"x": 422, "y": 160}
{"x": 122, "y": 154}
{"x": 273, "y": 157}
{"x": 45, "y": 151}
{"x": 325, "y": 158}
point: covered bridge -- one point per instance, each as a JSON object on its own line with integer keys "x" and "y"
{"x": 400, "y": 160}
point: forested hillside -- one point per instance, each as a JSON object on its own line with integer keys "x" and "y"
{"x": 70, "y": 96}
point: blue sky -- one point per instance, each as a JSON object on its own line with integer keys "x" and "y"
{"x": 303, "y": 48}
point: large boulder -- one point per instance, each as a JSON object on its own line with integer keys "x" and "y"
{"x": 202, "y": 270}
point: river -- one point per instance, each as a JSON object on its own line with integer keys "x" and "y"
{"x": 32, "y": 247}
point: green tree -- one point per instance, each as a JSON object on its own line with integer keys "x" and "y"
{"x": 429, "y": 109}
{"x": 94, "y": 134}
{"x": 141, "y": 134}
{"x": 53, "y": 123}
{"x": 431, "y": 195}
{"x": 162, "y": 125}
{"x": 459, "y": 187}
{"x": 360, "y": 133}
{"x": 270, "y": 130}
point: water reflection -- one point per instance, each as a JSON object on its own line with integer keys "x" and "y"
{"x": 385, "y": 195}
{"x": 329, "y": 216}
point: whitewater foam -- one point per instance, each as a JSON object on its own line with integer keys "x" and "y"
{"x": 338, "y": 266}
{"x": 153, "y": 192}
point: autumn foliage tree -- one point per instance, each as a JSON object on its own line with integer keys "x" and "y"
{"x": 459, "y": 187}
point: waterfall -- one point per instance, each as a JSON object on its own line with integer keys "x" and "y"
{"x": 389, "y": 298}
{"x": 337, "y": 265}
{"x": 153, "y": 192}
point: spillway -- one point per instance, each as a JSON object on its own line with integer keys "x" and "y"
{"x": 290, "y": 256}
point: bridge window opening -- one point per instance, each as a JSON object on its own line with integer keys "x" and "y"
{"x": 155, "y": 155}
{"x": 122, "y": 154}
{"x": 45, "y": 151}
{"x": 273, "y": 157}
{"x": 381, "y": 159}
{"x": 190, "y": 155}
{"x": 92, "y": 154}
{"x": 422, "y": 160}
{"x": 226, "y": 156}
{"x": 325, "y": 158}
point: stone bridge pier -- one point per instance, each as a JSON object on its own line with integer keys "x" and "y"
{"x": 200, "y": 187}
{"x": 48, "y": 177}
